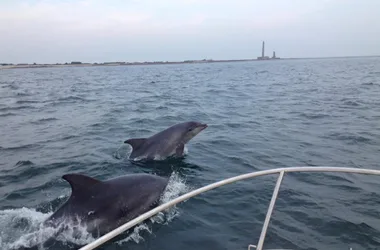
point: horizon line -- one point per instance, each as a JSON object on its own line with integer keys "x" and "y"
{"x": 77, "y": 62}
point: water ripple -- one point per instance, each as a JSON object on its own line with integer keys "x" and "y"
{"x": 261, "y": 115}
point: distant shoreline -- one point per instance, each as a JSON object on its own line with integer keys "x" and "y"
{"x": 80, "y": 64}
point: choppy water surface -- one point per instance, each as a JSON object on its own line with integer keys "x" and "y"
{"x": 261, "y": 115}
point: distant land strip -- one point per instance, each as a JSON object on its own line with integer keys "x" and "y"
{"x": 81, "y": 64}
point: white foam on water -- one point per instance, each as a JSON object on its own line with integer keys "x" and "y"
{"x": 22, "y": 227}
{"x": 135, "y": 235}
{"x": 175, "y": 188}
{"x": 15, "y": 224}
{"x": 185, "y": 150}
{"x": 123, "y": 151}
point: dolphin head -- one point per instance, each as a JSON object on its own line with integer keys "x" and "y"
{"x": 191, "y": 129}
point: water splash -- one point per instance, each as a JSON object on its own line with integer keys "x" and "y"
{"x": 136, "y": 234}
{"x": 17, "y": 227}
{"x": 23, "y": 227}
{"x": 123, "y": 151}
{"x": 185, "y": 150}
{"x": 175, "y": 188}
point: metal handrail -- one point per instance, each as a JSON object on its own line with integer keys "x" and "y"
{"x": 103, "y": 239}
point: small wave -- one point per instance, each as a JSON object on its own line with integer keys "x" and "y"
{"x": 26, "y": 146}
{"x": 11, "y": 86}
{"x": 161, "y": 107}
{"x": 42, "y": 120}
{"x": 22, "y": 94}
{"x": 7, "y": 114}
{"x": 98, "y": 124}
{"x": 376, "y": 73}
{"x": 23, "y": 227}
{"x": 233, "y": 124}
{"x": 352, "y": 230}
{"x": 26, "y": 101}
{"x": 48, "y": 119}
{"x": 74, "y": 99}
{"x": 314, "y": 115}
{"x": 69, "y": 99}
{"x": 351, "y": 103}
{"x": 138, "y": 121}
{"x": 215, "y": 91}
{"x": 24, "y": 163}
{"x": 222, "y": 141}
{"x": 350, "y": 138}
{"x": 68, "y": 137}
{"x": 345, "y": 187}
{"x": 6, "y": 109}
{"x": 368, "y": 83}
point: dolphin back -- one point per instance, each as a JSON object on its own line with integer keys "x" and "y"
{"x": 162, "y": 144}
{"x": 102, "y": 206}
{"x": 166, "y": 143}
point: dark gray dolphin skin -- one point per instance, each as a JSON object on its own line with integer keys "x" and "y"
{"x": 169, "y": 142}
{"x": 102, "y": 206}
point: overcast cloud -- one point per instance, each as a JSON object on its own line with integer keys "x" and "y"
{"x": 50, "y": 31}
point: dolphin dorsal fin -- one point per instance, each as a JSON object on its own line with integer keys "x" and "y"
{"x": 135, "y": 142}
{"x": 80, "y": 183}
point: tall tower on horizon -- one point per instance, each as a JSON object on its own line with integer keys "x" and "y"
{"x": 263, "y": 57}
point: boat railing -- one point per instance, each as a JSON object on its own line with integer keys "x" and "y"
{"x": 281, "y": 171}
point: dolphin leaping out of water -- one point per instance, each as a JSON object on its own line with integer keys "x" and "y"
{"x": 169, "y": 142}
{"x": 101, "y": 206}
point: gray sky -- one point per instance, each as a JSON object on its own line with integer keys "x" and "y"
{"x": 50, "y": 31}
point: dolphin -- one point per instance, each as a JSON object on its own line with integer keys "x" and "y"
{"x": 101, "y": 206}
{"x": 169, "y": 142}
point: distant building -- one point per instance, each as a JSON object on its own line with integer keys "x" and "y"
{"x": 76, "y": 62}
{"x": 263, "y": 57}
{"x": 274, "y": 55}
